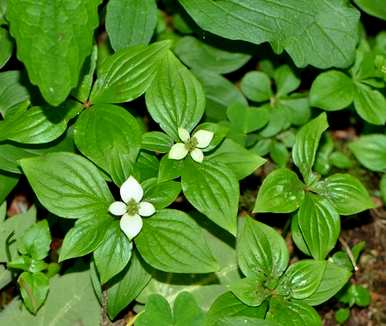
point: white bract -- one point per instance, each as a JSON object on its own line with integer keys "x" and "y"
{"x": 191, "y": 145}
{"x": 131, "y": 208}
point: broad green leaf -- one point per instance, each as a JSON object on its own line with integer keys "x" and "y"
{"x": 334, "y": 278}
{"x": 213, "y": 190}
{"x": 116, "y": 148}
{"x": 146, "y": 167}
{"x": 199, "y": 55}
{"x": 86, "y": 236}
{"x": 126, "y": 286}
{"x": 128, "y": 73}
{"x": 6, "y": 47}
{"x": 3, "y": 10}
{"x": 320, "y": 33}
{"x": 247, "y": 119}
{"x": 340, "y": 160}
{"x": 280, "y": 192}
{"x": 228, "y": 306}
{"x": 297, "y": 108}
{"x": 161, "y": 194}
{"x": 370, "y": 104}
{"x": 175, "y": 99}
{"x": 11, "y": 229}
{"x": 256, "y": 86}
{"x": 302, "y": 279}
{"x": 71, "y": 301}
{"x": 7, "y": 182}
{"x": 279, "y": 154}
{"x": 250, "y": 290}
{"x": 292, "y": 313}
{"x": 67, "y": 184}
{"x": 220, "y": 93}
{"x": 55, "y": 58}
{"x": 171, "y": 241}
{"x": 35, "y": 126}
{"x": 373, "y": 7}
{"x": 297, "y": 235}
{"x": 319, "y": 224}
{"x": 347, "y": 194}
{"x": 157, "y": 141}
{"x": 113, "y": 253}
{"x": 169, "y": 169}
{"x": 12, "y": 91}
{"x": 239, "y": 160}
{"x": 331, "y": 91}
{"x": 370, "y": 151}
{"x": 33, "y": 289}
{"x": 306, "y": 144}
{"x": 35, "y": 241}
{"x": 355, "y": 294}
{"x": 130, "y": 22}
{"x": 286, "y": 81}
{"x": 261, "y": 249}
{"x": 186, "y": 311}
{"x": 342, "y": 315}
{"x": 157, "y": 312}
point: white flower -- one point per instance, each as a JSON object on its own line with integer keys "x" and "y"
{"x": 131, "y": 208}
{"x": 193, "y": 145}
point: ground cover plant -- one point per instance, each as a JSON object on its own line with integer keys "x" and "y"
{"x": 192, "y": 162}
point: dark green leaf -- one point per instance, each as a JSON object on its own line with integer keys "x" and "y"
{"x": 157, "y": 141}
{"x": 33, "y": 289}
{"x": 6, "y": 47}
{"x": 161, "y": 194}
{"x": 247, "y": 119}
{"x": 256, "y": 86}
{"x": 12, "y": 91}
{"x": 7, "y": 182}
{"x": 372, "y": 7}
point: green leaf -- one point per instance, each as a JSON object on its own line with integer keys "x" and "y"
{"x": 306, "y": 144}
{"x": 7, "y": 182}
{"x": 370, "y": 104}
{"x": 340, "y": 160}
{"x": 250, "y": 290}
{"x": 355, "y": 294}
{"x": 370, "y": 151}
{"x": 256, "y": 86}
{"x": 342, "y": 315}
{"x": 319, "y": 224}
{"x": 199, "y": 55}
{"x": 11, "y": 229}
{"x": 116, "y": 149}
{"x": 186, "y": 311}
{"x": 220, "y": 93}
{"x": 113, "y": 253}
{"x": 157, "y": 141}
{"x": 146, "y": 167}
{"x": 280, "y": 192}
{"x": 33, "y": 289}
{"x": 331, "y": 91}
{"x": 176, "y": 98}
{"x": 170, "y": 169}
{"x": 86, "y": 236}
{"x": 286, "y": 81}
{"x": 35, "y": 126}
{"x": 157, "y": 312}
{"x": 59, "y": 178}
{"x": 54, "y": 60}
{"x": 322, "y": 34}
{"x": 261, "y": 249}
{"x": 71, "y": 300}
{"x": 297, "y": 235}
{"x": 239, "y": 160}
{"x": 126, "y": 286}
{"x": 292, "y": 313}
{"x": 302, "y": 279}
{"x": 372, "y": 7}
{"x": 5, "y": 277}
{"x": 334, "y": 278}
{"x": 347, "y": 194}
{"x": 6, "y": 47}
{"x": 12, "y": 91}
{"x": 130, "y": 22}
{"x": 171, "y": 241}
{"x": 161, "y": 194}
{"x": 247, "y": 119}
{"x": 228, "y": 306}
{"x": 279, "y": 154}
{"x": 35, "y": 242}
{"x": 128, "y": 73}
{"x": 382, "y": 187}
{"x": 213, "y": 190}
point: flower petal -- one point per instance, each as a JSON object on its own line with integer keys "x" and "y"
{"x": 118, "y": 208}
{"x": 131, "y": 189}
{"x": 183, "y": 134}
{"x": 197, "y": 155}
{"x": 178, "y": 151}
{"x": 203, "y": 137}
{"x": 131, "y": 225}
{"x": 146, "y": 209}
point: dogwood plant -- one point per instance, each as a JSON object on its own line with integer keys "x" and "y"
{"x": 191, "y": 145}
{"x": 131, "y": 208}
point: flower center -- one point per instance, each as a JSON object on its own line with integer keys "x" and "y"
{"x": 191, "y": 144}
{"x": 132, "y": 207}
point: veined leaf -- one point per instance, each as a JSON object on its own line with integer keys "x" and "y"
{"x": 12, "y": 92}
{"x": 55, "y": 58}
